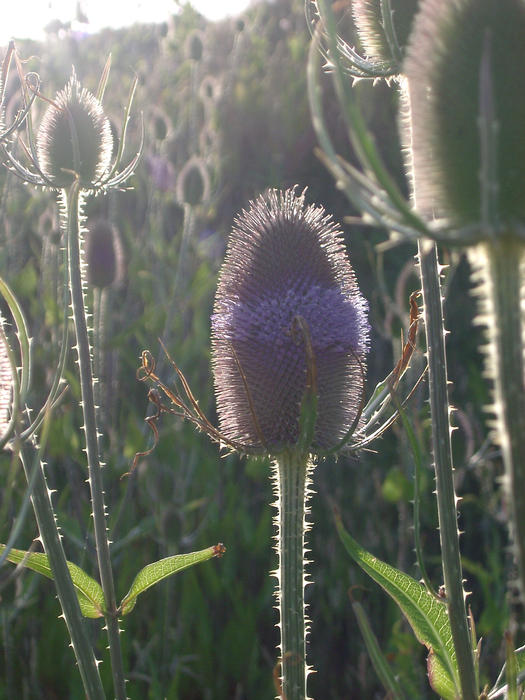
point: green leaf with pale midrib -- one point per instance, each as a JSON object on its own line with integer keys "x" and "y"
{"x": 158, "y": 570}
{"x": 89, "y": 592}
{"x": 427, "y": 616}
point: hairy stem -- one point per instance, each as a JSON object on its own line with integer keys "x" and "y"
{"x": 50, "y": 537}
{"x": 291, "y": 478}
{"x": 498, "y": 265}
{"x": 72, "y": 198}
{"x": 442, "y": 450}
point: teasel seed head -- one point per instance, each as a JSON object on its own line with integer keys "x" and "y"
{"x": 74, "y": 140}
{"x": 466, "y": 108}
{"x": 103, "y": 255}
{"x": 193, "y": 182}
{"x": 286, "y": 264}
{"x": 195, "y": 45}
{"x": 161, "y": 124}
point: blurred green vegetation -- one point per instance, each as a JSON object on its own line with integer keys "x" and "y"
{"x": 240, "y": 111}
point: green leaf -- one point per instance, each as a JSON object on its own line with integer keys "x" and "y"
{"x": 427, "y": 616}
{"x": 379, "y": 662}
{"x": 89, "y": 592}
{"x": 158, "y": 570}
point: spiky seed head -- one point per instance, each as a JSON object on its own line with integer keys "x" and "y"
{"x": 160, "y": 125}
{"x": 195, "y": 45}
{"x": 369, "y": 24}
{"x": 103, "y": 255}
{"x": 447, "y": 84}
{"x": 74, "y": 139}
{"x": 286, "y": 260}
{"x": 193, "y": 182}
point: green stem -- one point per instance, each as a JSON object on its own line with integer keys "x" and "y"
{"x": 500, "y": 262}
{"x": 442, "y": 450}
{"x": 291, "y": 474}
{"x": 50, "y": 537}
{"x": 72, "y": 199}
{"x": 100, "y": 308}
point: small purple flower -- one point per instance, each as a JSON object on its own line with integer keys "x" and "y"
{"x": 286, "y": 262}
{"x": 161, "y": 172}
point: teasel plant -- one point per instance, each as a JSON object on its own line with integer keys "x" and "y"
{"x": 18, "y": 431}
{"x": 73, "y": 154}
{"x": 289, "y": 338}
{"x": 464, "y": 167}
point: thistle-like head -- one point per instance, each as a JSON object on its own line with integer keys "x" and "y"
{"x": 103, "y": 255}
{"x": 464, "y": 67}
{"x": 288, "y": 319}
{"x": 74, "y": 143}
{"x": 74, "y": 140}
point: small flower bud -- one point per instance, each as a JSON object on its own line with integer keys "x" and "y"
{"x": 286, "y": 261}
{"x": 103, "y": 255}
{"x": 467, "y": 108}
{"x": 74, "y": 139}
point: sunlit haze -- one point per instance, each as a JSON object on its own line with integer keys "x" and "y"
{"x": 27, "y": 19}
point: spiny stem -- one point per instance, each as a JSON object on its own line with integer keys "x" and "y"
{"x": 500, "y": 267}
{"x": 72, "y": 198}
{"x": 291, "y": 478}
{"x": 49, "y": 534}
{"x": 442, "y": 449}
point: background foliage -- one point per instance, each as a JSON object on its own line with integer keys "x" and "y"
{"x": 232, "y": 99}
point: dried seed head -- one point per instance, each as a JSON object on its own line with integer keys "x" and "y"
{"x": 74, "y": 139}
{"x": 193, "y": 182}
{"x": 286, "y": 260}
{"x": 103, "y": 254}
{"x": 467, "y": 108}
{"x": 195, "y": 45}
{"x": 161, "y": 125}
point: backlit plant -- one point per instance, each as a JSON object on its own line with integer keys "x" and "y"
{"x": 289, "y": 339}
{"x": 73, "y": 153}
{"x": 462, "y": 129}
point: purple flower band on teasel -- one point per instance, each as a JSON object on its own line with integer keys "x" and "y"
{"x": 286, "y": 260}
